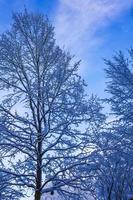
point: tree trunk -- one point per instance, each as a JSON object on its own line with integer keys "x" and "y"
{"x": 39, "y": 139}
{"x": 37, "y": 195}
{"x": 38, "y": 184}
{"x": 39, "y": 173}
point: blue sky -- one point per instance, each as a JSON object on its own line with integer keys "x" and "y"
{"x": 90, "y": 29}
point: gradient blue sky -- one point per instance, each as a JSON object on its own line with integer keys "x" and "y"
{"x": 90, "y": 29}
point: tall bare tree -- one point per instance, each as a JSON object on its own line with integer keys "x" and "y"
{"x": 42, "y": 109}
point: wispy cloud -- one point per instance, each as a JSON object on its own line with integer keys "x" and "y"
{"x": 77, "y": 21}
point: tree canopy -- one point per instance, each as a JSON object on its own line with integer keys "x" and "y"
{"x": 42, "y": 110}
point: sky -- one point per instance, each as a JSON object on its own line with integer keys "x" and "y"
{"x": 90, "y": 29}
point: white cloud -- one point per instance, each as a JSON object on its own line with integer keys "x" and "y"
{"x": 77, "y": 27}
{"x": 78, "y": 20}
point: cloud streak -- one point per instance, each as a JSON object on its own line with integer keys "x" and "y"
{"x": 77, "y": 21}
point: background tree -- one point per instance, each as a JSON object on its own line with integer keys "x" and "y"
{"x": 119, "y": 72}
{"x": 113, "y": 175}
{"x": 112, "y": 142}
{"x": 42, "y": 109}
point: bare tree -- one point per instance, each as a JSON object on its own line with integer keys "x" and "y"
{"x": 119, "y": 71}
{"x": 111, "y": 176}
{"x": 42, "y": 107}
{"x": 6, "y": 190}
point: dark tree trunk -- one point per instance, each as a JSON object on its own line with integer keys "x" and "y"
{"x": 39, "y": 139}
{"x": 39, "y": 173}
{"x": 37, "y": 195}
